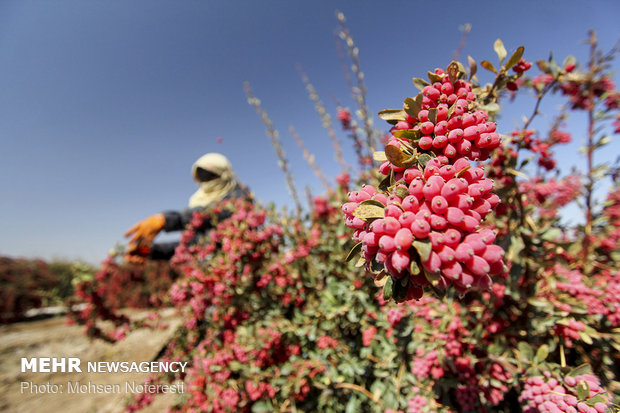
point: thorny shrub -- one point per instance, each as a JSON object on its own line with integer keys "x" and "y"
{"x": 33, "y": 283}
{"x": 115, "y": 286}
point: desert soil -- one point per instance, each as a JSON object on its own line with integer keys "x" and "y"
{"x": 53, "y": 337}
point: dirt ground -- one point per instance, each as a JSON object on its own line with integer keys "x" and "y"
{"x": 52, "y": 337}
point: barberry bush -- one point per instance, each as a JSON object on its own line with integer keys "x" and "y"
{"x": 29, "y": 284}
{"x": 99, "y": 296}
{"x": 442, "y": 277}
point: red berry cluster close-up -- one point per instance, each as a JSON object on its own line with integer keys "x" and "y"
{"x": 425, "y": 229}
{"x": 441, "y": 209}
{"x": 547, "y": 394}
{"x": 449, "y": 123}
{"x": 521, "y": 66}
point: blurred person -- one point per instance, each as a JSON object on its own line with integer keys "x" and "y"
{"x": 213, "y": 174}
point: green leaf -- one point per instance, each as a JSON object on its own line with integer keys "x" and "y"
{"x": 544, "y": 66}
{"x": 603, "y": 141}
{"x": 360, "y": 262}
{"x": 553, "y": 63}
{"x": 525, "y": 350}
{"x": 372, "y": 202}
{"x": 396, "y": 156}
{"x": 262, "y": 407}
{"x": 381, "y": 278}
{"x": 433, "y": 77}
{"x": 516, "y": 246}
{"x": 286, "y": 369}
{"x": 352, "y": 316}
{"x": 408, "y": 134}
{"x": 499, "y": 48}
{"x": 491, "y": 107}
{"x": 388, "y": 288}
{"x": 423, "y": 159}
{"x": 596, "y": 399}
{"x": 420, "y": 83}
{"x": 451, "y": 110}
{"x": 583, "y": 390}
{"x": 514, "y": 59}
{"x": 570, "y": 60}
{"x": 496, "y": 383}
{"x": 401, "y": 192}
{"x": 537, "y": 302}
{"x": 488, "y": 66}
{"x": 585, "y": 337}
{"x": 541, "y": 353}
{"x": 352, "y": 405}
{"x": 524, "y": 162}
{"x": 414, "y": 268}
{"x": 368, "y": 212}
{"x": 385, "y": 183}
{"x": 392, "y": 116}
{"x": 432, "y": 115}
{"x": 423, "y": 247}
{"x": 579, "y": 370}
{"x": 473, "y": 67}
{"x": 235, "y": 366}
{"x": 413, "y": 106}
{"x": 379, "y": 156}
{"x": 552, "y": 234}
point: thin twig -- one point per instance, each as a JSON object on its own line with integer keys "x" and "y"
{"x": 275, "y": 142}
{"x": 310, "y": 159}
{"x": 590, "y": 182}
{"x": 360, "y": 95}
{"x": 360, "y": 389}
{"x": 464, "y": 32}
{"x": 325, "y": 118}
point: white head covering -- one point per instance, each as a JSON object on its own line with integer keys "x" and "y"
{"x": 215, "y": 189}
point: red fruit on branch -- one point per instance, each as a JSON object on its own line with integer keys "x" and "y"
{"x": 429, "y": 220}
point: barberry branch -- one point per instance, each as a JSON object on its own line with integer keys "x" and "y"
{"x": 275, "y": 142}
{"x": 325, "y": 118}
{"x": 590, "y": 147}
{"x": 360, "y": 90}
{"x": 310, "y": 159}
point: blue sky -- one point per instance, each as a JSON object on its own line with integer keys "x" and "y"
{"x": 105, "y": 105}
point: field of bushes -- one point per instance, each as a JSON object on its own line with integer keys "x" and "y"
{"x": 435, "y": 274}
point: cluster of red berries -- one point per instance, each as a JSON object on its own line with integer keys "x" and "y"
{"x": 442, "y": 205}
{"x": 449, "y": 124}
{"x": 425, "y": 365}
{"x": 345, "y": 118}
{"x": 496, "y": 391}
{"x": 417, "y": 403}
{"x": 569, "y": 331}
{"x": 466, "y": 396}
{"x": 118, "y": 285}
{"x": 547, "y": 394}
{"x": 579, "y": 91}
{"x": 523, "y": 139}
{"x": 426, "y": 229}
{"x": 521, "y": 66}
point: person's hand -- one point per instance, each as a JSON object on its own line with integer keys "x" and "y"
{"x": 143, "y": 233}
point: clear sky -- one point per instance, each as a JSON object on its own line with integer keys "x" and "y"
{"x": 105, "y": 105}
